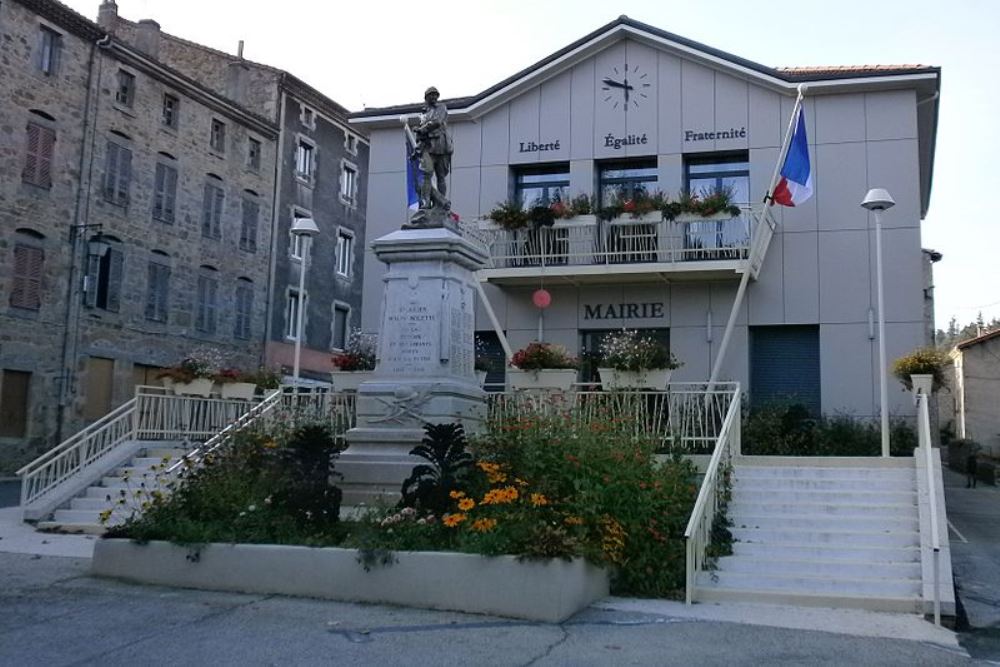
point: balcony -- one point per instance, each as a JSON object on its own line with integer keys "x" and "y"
{"x": 649, "y": 249}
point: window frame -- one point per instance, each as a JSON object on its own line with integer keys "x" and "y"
{"x": 157, "y": 308}
{"x": 305, "y": 146}
{"x": 49, "y": 50}
{"x": 552, "y": 169}
{"x": 105, "y": 278}
{"x": 165, "y": 190}
{"x": 349, "y": 186}
{"x": 345, "y": 238}
{"x": 629, "y": 182}
{"x": 249, "y": 233}
{"x": 125, "y": 89}
{"x": 207, "y": 309}
{"x": 720, "y": 158}
{"x": 38, "y": 162}
{"x": 346, "y": 330}
{"x": 170, "y": 118}
{"x": 117, "y": 182}
{"x": 217, "y": 136}
{"x": 254, "y": 157}
{"x": 27, "y": 282}
{"x": 213, "y": 205}
{"x": 291, "y": 313}
{"x": 243, "y": 297}
{"x": 296, "y": 242}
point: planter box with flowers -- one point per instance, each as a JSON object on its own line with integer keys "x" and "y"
{"x": 632, "y": 360}
{"x": 922, "y": 369}
{"x": 542, "y": 366}
{"x": 356, "y": 364}
{"x": 234, "y": 384}
{"x": 193, "y": 376}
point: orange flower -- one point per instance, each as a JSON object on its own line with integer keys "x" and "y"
{"x": 466, "y": 504}
{"x": 484, "y": 525}
{"x": 457, "y": 494}
{"x": 573, "y": 521}
{"x": 538, "y": 500}
{"x": 508, "y": 494}
{"x": 452, "y": 520}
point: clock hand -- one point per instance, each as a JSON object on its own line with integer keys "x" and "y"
{"x": 612, "y": 82}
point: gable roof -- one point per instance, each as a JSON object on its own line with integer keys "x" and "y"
{"x": 979, "y": 339}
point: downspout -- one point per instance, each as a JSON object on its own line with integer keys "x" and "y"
{"x": 68, "y": 352}
{"x": 276, "y": 208}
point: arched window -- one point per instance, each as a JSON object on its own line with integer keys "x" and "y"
{"x": 206, "y": 317}
{"x": 213, "y": 203}
{"x": 249, "y": 221}
{"x": 158, "y": 287}
{"x": 40, "y": 144}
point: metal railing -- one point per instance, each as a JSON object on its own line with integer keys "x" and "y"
{"x": 166, "y": 416}
{"x": 712, "y": 497}
{"x": 587, "y": 241}
{"x": 924, "y": 435}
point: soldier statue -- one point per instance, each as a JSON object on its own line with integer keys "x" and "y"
{"x": 432, "y": 150}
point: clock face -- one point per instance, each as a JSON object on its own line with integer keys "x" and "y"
{"x": 625, "y": 87}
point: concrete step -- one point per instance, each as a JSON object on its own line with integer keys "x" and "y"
{"x": 850, "y": 569}
{"x": 832, "y": 509}
{"x": 870, "y": 554}
{"x": 833, "y": 473}
{"x": 823, "y": 484}
{"x": 91, "y": 503}
{"x": 903, "y": 604}
{"x": 71, "y": 528}
{"x": 744, "y": 519}
{"x": 159, "y": 452}
{"x": 807, "y": 537}
{"x": 881, "y": 587}
{"x": 102, "y": 492}
{"x": 771, "y": 495}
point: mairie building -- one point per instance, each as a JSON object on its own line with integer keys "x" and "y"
{"x": 633, "y": 109}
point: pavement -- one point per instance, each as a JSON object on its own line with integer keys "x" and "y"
{"x": 974, "y": 515}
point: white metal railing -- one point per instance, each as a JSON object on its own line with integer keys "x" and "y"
{"x": 924, "y": 434}
{"x": 685, "y": 418}
{"x": 712, "y": 497}
{"x": 166, "y": 416}
{"x": 587, "y": 241}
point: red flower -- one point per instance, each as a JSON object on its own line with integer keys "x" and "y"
{"x": 629, "y": 206}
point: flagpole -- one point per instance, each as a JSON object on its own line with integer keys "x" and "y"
{"x": 745, "y": 278}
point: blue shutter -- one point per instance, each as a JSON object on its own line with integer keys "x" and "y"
{"x": 784, "y": 366}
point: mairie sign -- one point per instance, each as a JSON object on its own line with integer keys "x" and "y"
{"x": 621, "y": 311}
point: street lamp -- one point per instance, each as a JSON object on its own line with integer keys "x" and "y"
{"x": 303, "y": 229}
{"x": 878, "y": 200}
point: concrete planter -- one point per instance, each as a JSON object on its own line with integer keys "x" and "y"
{"x": 649, "y": 379}
{"x": 549, "y": 591}
{"x": 921, "y": 384}
{"x": 243, "y": 391}
{"x": 481, "y": 377}
{"x": 349, "y": 380}
{"x": 197, "y": 387}
{"x": 546, "y": 379}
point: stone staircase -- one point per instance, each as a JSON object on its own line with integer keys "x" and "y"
{"x": 82, "y": 514}
{"x": 822, "y": 534}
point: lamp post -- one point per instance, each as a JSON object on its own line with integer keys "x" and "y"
{"x": 878, "y": 200}
{"x": 303, "y": 229}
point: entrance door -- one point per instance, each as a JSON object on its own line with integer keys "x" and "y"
{"x": 145, "y": 376}
{"x": 99, "y": 386}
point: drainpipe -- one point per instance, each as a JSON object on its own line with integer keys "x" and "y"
{"x": 276, "y": 207}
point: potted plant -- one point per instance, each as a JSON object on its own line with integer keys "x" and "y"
{"x": 235, "y": 384}
{"x": 715, "y": 203}
{"x": 632, "y": 360}
{"x": 355, "y": 364}
{"x": 922, "y": 370}
{"x": 266, "y": 378}
{"x": 542, "y": 366}
{"x": 195, "y": 375}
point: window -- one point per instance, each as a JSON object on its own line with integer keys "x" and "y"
{"x": 488, "y": 346}
{"x": 708, "y": 173}
{"x": 26, "y": 289}
{"x": 253, "y": 154}
{"x": 345, "y": 252}
{"x": 207, "y": 305}
{"x": 41, "y": 142}
{"x": 158, "y": 292}
{"x": 784, "y": 366}
{"x": 297, "y": 242}
{"x": 308, "y": 117}
{"x": 103, "y": 285}
{"x": 341, "y": 325}
{"x": 211, "y": 208}
{"x": 244, "y": 309}
{"x": 248, "y": 228}
{"x": 50, "y": 48}
{"x": 348, "y": 183}
{"x": 292, "y": 316}
{"x": 125, "y": 91}
{"x": 171, "y": 111}
{"x": 164, "y": 192}
{"x": 305, "y": 159}
{"x": 217, "y": 137}
{"x": 540, "y": 186}
{"x": 117, "y": 174}
{"x": 14, "y": 387}
{"x": 619, "y": 181}
{"x": 350, "y": 143}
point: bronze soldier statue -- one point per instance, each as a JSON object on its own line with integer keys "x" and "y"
{"x": 433, "y": 150}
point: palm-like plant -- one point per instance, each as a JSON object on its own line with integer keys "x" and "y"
{"x": 428, "y": 486}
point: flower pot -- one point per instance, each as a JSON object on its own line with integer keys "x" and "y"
{"x": 656, "y": 379}
{"x": 921, "y": 383}
{"x": 243, "y": 391}
{"x": 349, "y": 380}
{"x": 549, "y": 379}
{"x": 481, "y": 377}
{"x": 197, "y": 387}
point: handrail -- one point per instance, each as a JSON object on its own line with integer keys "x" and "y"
{"x": 697, "y": 535}
{"x": 924, "y": 431}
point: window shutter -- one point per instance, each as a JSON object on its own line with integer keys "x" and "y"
{"x": 32, "y": 154}
{"x": 206, "y": 212}
{"x": 93, "y": 273}
{"x": 248, "y": 233}
{"x": 115, "y": 271}
{"x": 163, "y": 293}
{"x": 211, "y": 305}
{"x": 151, "y": 292}
{"x": 27, "y": 284}
{"x": 159, "y": 192}
{"x": 124, "y": 174}
{"x": 46, "y": 150}
{"x": 170, "y": 196}
{"x": 217, "y": 217}
{"x": 199, "y": 322}
{"x": 111, "y": 172}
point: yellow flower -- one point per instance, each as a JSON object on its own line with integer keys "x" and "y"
{"x": 496, "y": 478}
{"x": 466, "y": 504}
{"x": 457, "y": 494}
{"x": 489, "y": 468}
{"x": 520, "y": 482}
{"x": 538, "y": 500}
{"x": 452, "y": 520}
{"x": 573, "y": 521}
{"x": 484, "y": 525}
{"x": 508, "y": 494}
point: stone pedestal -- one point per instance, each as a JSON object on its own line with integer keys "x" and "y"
{"x": 426, "y": 359}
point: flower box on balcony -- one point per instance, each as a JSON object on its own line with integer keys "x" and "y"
{"x": 546, "y": 379}
{"x": 243, "y": 391}
{"x": 695, "y": 217}
{"x": 349, "y": 380}
{"x": 197, "y": 387}
{"x": 655, "y": 379}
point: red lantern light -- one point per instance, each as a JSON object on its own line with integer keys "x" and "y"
{"x": 542, "y": 299}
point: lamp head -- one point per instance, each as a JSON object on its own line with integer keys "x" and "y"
{"x": 878, "y": 199}
{"x": 304, "y": 227}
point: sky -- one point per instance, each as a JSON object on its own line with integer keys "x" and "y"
{"x": 376, "y": 53}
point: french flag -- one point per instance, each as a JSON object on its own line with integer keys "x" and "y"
{"x": 796, "y": 184}
{"x": 413, "y": 175}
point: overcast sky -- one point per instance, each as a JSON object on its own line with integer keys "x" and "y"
{"x": 375, "y": 53}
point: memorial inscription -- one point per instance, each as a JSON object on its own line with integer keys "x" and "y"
{"x": 410, "y": 339}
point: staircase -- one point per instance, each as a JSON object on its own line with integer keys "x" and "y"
{"x": 822, "y": 533}
{"x": 82, "y": 514}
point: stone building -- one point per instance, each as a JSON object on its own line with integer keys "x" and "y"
{"x": 135, "y": 223}
{"x": 629, "y": 109}
{"x": 322, "y": 174}
{"x": 975, "y": 390}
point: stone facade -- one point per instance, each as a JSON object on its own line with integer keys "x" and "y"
{"x": 96, "y": 327}
{"x": 304, "y": 115}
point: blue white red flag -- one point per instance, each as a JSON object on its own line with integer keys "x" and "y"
{"x": 413, "y": 174}
{"x": 796, "y": 184}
